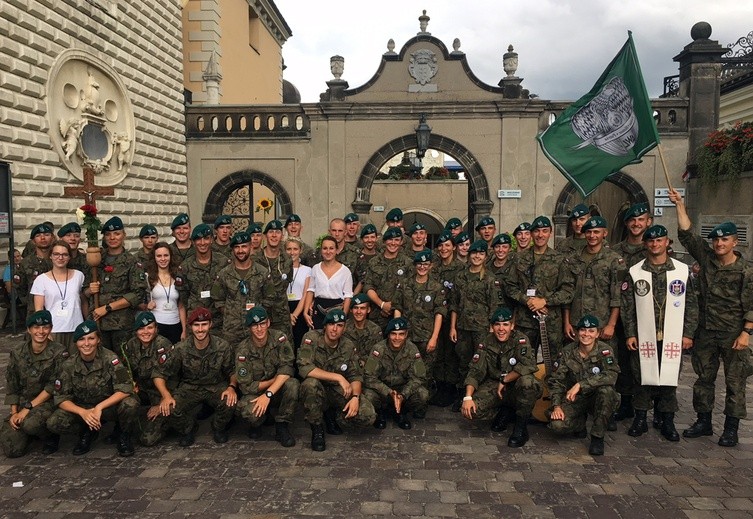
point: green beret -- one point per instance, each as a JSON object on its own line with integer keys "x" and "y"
{"x": 359, "y": 299}
{"x": 42, "y": 228}
{"x": 240, "y": 237}
{"x": 113, "y": 224}
{"x": 292, "y": 218}
{"x": 422, "y": 257}
{"x": 394, "y": 215}
{"x": 453, "y": 223}
{"x": 84, "y": 328}
{"x": 578, "y": 211}
{"x": 39, "y": 318}
{"x": 416, "y": 227}
{"x": 351, "y": 217}
{"x": 502, "y": 239}
{"x": 335, "y": 315}
{"x": 525, "y": 226}
{"x": 200, "y": 314}
{"x": 595, "y": 222}
{"x": 723, "y": 229}
{"x": 274, "y": 225}
{"x": 396, "y": 324}
{"x": 445, "y": 236}
{"x": 69, "y": 228}
{"x": 256, "y": 315}
{"x": 368, "y": 229}
{"x": 144, "y": 319}
{"x": 460, "y": 238}
{"x": 181, "y": 219}
{"x": 392, "y": 232}
{"x": 655, "y": 231}
{"x": 635, "y": 210}
{"x": 201, "y": 231}
{"x": 254, "y": 228}
{"x": 540, "y": 222}
{"x": 478, "y": 246}
{"x": 486, "y": 220}
{"x": 223, "y": 219}
{"x": 587, "y": 321}
{"x": 148, "y": 230}
{"x": 501, "y": 315}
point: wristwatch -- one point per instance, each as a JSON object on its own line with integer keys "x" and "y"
{"x": 269, "y": 394}
{"x": 29, "y": 406}
{"x": 108, "y": 308}
{"x": 749, "y": 331}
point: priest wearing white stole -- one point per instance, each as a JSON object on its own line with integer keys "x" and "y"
{"x": 660, "y": 314}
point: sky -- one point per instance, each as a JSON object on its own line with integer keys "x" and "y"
{"x": 563, "y": 45}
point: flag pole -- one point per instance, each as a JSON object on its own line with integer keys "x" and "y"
{"x": 664, "y": 166}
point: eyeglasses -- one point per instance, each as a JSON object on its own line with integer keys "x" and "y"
{"x": 60, "y": 255}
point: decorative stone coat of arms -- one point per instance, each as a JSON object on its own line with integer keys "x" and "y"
{"x": 422, "y": 67}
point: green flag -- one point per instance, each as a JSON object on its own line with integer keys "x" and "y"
{"x": 606, "y": 129}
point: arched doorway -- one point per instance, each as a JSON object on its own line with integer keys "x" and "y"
{"x": 238, "y": 194}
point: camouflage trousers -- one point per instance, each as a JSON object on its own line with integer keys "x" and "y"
{"x": 285, "y": 401}
{"x": 318, "y": 397}
{"x": 627, "y": 379}
{"x": 555, "y": 336}
{"x": 15, "y": 441}
{"x": 279, "y": 317}
{"x": 149, "y": 431}
{"x": 644, "y": 396}
{"x": 446, "y": 359}
{"x": 430, "y": 360}
{"x": 188, "y": 397}
{"x": 468, "y": 340}
{"x": 124, "y": 414}
{"x": 520, "y": 395}
{"x": 600, "y": 402}
{"x": 113, "y": 339}
{"x": 416, "y": 400}
{"x": 708, "y": 348}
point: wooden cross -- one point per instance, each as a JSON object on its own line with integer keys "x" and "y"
{"x": 89, "y": 191}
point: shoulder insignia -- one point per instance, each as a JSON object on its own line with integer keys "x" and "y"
{"x": 620, "y": 260}
{"x": 375, "y": 353}
{"x": 480, "y": 346}
{"x": 58, "y": 385}
{"x": 476, "y": 357}
{"x": 522, "y": 340}
{"x": 307, "y": 341}
{"x": 161, "y": 350}
{"x": 115, "y": 362}
{"x": 496, "y": 282}
{"x": 65, "y": 354}
{"x": 282, "y": 338}
{"x": 610, "y": 360}
{"x": 178, "y": 281}
{"x": 417, "y": 355}
{"x": 241, "y": 358}
{"x": 163, "y": 358}
{"x": 606, "y": 352}
{"x": 624, "y": 285}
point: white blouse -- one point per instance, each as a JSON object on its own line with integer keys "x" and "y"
{"x": 295, "y": 288}
{"x": 339, "y": 286}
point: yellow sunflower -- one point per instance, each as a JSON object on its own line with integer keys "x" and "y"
{"x": 265, "y": 204}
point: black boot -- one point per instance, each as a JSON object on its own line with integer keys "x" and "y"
{"x": 282, "y": 434}
{"x": 503, "y": 417}
{"x": 330, "y": 422}
{"x": 626, "y": 408}
{"x": 318, "y": 442}
{"x": 381, "y": 419}
{"x": 448, "y": 394}
{"x": 639, "y": 424}
{"x": 668, "y": 429}
{"x": 597, "y": 446}
{"x": 51, "y": 444}
{"x": 438, "y": 397}
{"x": 85, "y": 441}
{"x": 658, "y": 418}
{"x": 611, "y": 423}
{"x": 701, "y": 427}
{"x": 519, "y": 435}
{"x": 187, "y": 439}
{"x": 114, "y": 436}
{"x": 729, "y": 436}
{"x": 255, "y": 433}
{"x": 401, "y": 419}
{"x": 125, "y": 447}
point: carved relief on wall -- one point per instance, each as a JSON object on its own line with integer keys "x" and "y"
{"x": 91, "y": 118}
{"x": 423, "y": 67}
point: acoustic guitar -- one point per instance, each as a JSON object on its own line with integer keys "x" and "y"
{"x": 545, "y": 402}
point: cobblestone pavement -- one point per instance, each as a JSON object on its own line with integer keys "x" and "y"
{"x": 443, "y": 467}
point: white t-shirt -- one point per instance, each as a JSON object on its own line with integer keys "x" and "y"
{"x": 339, "y": 286}
{"x": 62, "y": 299}
{"x": 295, "y": 288}
{"x": 166, "y": 299}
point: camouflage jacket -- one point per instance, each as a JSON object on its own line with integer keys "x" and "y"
{"x": 194, "y": 281}
{"x": 119, "y": 276}
{"x": 142, "y": 361}
{"x": 225, "y": 250}
{"x": 402, "y": 370}
{"x": 494, "y": 359}
{"x": 87, "y": 386}
{"x": 446, "y": 274}
{"x": 279, "y": 274}
{"x": 474, "y": 300}
{"x": 365, "y": 339}
{"x": 209, "y": 368}
{"x": 598, "y": 369}
{"x": 228, "y": 295}
{"x": 419, "y": 303}
{"x": 308, "y": 255}
{"x": 342, "y": 359}
{"x": 570, "y": 246}
{"x": 79, "y": 263}
{"x": 598, "y": 284}
{"x": 726, "y": 298}
{"x": 386, "y": 276}
{"x": 632, "y": 254}
{"x": 362, "y": 264}
{"x": 256, "y": 364}
{"x": 28, "y": 270}
{"x": 181, "y": 255}
{"x": 28, "y": 373}
{"x": 142, "y": 258}
{"x": 501, "y": 278}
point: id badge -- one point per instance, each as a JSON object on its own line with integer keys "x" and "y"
{"x": 205, "y": 294}
{"x": 62, "y": 312}
{"x": 291, "y": 297}
{"x": 167, "y": 306}
{"x": 531, "y": 292}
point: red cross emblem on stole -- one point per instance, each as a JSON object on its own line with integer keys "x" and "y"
{"x": 647, "y": 350}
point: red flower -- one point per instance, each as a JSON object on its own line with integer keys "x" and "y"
{"x": 109, "y": 269}
{"x": 89, "y": 210}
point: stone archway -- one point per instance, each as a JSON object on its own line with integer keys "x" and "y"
{"x": 480, "y": 203}
{"x": 222, "y": 189}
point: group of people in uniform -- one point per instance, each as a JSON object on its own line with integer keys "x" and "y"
{"x": 503, "y": 328}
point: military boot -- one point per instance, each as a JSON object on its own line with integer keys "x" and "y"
{"x": 729, "y": 436}
{"x": 502, "y": 418}
{"x": 330, "y": 422}
{"x": 701, "y": 427}
{"x": 282, "y": 434}
{"x": 401, "y": 419}
{"x": 318, "y": 443}
{"x": 51, "y": 444}
{"x": 519, "y": 435}
{"x": 668, "y": 429}
{"x": 125, "y": 447}
{"x": 626, "y": 408}
{"x": 381, "y": 419}
{"x": 597, "y": 446}
{"x": 639, "y": 424}
{"x": 85, "y": 441}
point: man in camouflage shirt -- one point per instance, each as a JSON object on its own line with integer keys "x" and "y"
{"x": 362, "y": 331}
{"x": 148, "y": 237}
{"x": 181, "y": 248}
{"x": 223, "y": 231}
{"x": 34, "y": 264}
{"x": 385, "y": 274}
{"x": 368, "y": 251}
{"x": 576, "y": 241}
{"x": 279, "y": 267}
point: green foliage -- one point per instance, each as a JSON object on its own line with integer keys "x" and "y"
{"x": 726, "y": 154}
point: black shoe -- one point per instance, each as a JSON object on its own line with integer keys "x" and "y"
{"x": 205, "y": 412}
{"x": 318, "y": 442}
{"x": 502, "y": 418}
{"x": 381, "y": 419}
{"x": 611, "y": 424}
{"x": 125, "y": 447}
{"x": 519, "y": 435}
{"x": 51, "y": 444}
{"x": 187, "y": 439}
{"x": 597, "y": 446}
{"x": 255, "y": 433}
{"x": 220, "y": 436}
{"x": 668, "y": 429}
{"x": 639, "y": 424}
{"x": 625, "y": 410}
{"x": 401, "y": 419}
{"x": 85, "y": 441}
{"x": 282, "y": 434}
{"x": 114, "y": 436}
{"x": 729, "y": 436}
{"x": 701, "y": 427}
{"x": 330, "y": 422}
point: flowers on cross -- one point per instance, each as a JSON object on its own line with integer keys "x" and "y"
{"x": 87, "y": 216}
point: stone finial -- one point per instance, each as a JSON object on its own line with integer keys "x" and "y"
{"x": 700, "y": 31}
{"x": 337, "y": 66}
{"x": 456, "y": 45}
{"x": 423, "y": 22}
{"x": 212, "y": 78}
{"x": 390, "y": 46}
{"x": 510, "y": 62}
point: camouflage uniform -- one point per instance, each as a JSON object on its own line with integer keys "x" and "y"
{"x": 279, "y": 274}
{"x": 362, "y": 264}
{"x": 570, "y": 246}
{"x": 492, "y": 361}
{"x": 79, "y": 263}
{"x": 142, "y": 258}
{"x": 27, "y": 375}
{"x": 401, "y": 370}
{"x": 596, "y": 374}
{"x": 317, "y": 395}
{"x": 194, "y": 281}
{"x": 725, "y": 302}
{"x": 308, "y": 255}
{"x": 364, "y": 340}
{"x": 181, "y": 255}
{"x": 349, "y": 257}
{"x": 643, "y": 396}
{"x": 87, "y": 386}
{"x": 501, "y": 276}
{"x": 446, "y": 359}
{"x": 24, "y": 276}
{"x": 225, "y": 250}
{"x": 385, "y": 277}
{"x": 141, "y": 362}
{"x": 227, "y": 297}
{"x": 256, "y": 364}
{"x": 202, "y": 375}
